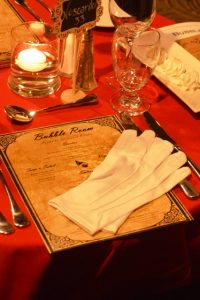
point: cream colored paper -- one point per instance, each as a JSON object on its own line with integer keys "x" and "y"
{"x": 48, "y": 161}
{"x": 8, "y": 19}
{"x": 192, "y": 45}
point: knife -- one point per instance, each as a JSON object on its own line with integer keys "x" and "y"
{"x": 163, "y": 134}
{"x": 189, "y": 190}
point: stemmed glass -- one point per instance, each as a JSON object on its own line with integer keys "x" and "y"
{"x": 140, "y": 13}
{"x": 134, "y": 59}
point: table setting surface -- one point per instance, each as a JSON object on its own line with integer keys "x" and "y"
{"x": 179, "y": 120}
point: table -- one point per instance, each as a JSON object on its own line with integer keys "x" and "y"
{"x": 147, "y": 263}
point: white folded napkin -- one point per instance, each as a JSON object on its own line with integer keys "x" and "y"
{"x": 135, "y": 171}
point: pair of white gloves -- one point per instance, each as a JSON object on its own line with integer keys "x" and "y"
{"x": 135, "y": 171}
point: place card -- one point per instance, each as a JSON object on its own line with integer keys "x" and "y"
{"x": 45, "y": 162}
{"x": 76, "y": 15}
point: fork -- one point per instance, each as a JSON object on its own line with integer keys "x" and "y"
{"x": 19, "y": 218}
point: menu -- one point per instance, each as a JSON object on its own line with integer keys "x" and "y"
{"x": 187, "y": 35}
{"x": 48, "y": 161}
{"x": 8, "y": 19}
{"x": 192, "y": 45}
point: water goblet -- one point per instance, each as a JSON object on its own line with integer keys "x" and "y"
{"x": 140, "y": 13}
{"x": 134, "y": 60}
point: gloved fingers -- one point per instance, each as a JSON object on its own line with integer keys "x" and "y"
{"x": 170, "y": 164}
{"x": 175, "y": 178}
{"x": 121, "y": 213}
{"x": 127, "y": 137}
{"x": 98, "y": 194}
{"x": 128, "y": 153}
{"x": 140, "y": 145}
{"x": 113, "y": 227}
{"x": 167, "y": 167}
{"x": 113, "y": 157}
{"x": 95, "y": 220}
{"x": 156, "y": 141}
{"x": 157, "y": 153}
{"x": 129, "y": 204}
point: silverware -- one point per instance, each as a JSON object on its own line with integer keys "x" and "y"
{"x": 5, "y": 226}
{"x": 20, "y": 114}
{"x": 27, "y": 8}
{"x": 189, "y": 190}
{"x": 47, "y": 7}
{"x": 19, "y": 218}
{"x": 128, "y": 123}
{"x": 163, "y": 134}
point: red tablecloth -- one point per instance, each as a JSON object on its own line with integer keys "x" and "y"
{"x": 150, "y": 262}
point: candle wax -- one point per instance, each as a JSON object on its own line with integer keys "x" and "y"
{"x": 32, "y": 60}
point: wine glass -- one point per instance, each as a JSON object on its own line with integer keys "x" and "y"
{"x": 140, "y": 13}
{"x": 134, "y": 59}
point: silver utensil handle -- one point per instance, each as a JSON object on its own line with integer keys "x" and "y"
{"x": 5, "y": 226}
{"x": 190, "y": 162}
{"x": 189, "y": 190}
{"x": 194, "y": 167}
{"x": 80, "y": 102}
{"x": 19, "y": 218}
{"x": 33, "y": 13}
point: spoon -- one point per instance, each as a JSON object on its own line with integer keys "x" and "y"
{"x": 26, "y": 7}
{"x": 20, "y": 114}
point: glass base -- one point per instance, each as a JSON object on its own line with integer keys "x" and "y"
{"x": 34, "y": 88}
{"x": 120, "y": 104}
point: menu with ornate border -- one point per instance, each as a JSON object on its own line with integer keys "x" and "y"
{"x": 45, "y": 162}
{"x": 8, "y": 18}
{"x": 192, "y": 45}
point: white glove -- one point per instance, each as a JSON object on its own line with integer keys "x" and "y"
{"x": 122, "y": 160}
{"x": 162, "y": 180}
{"x": 132, "y": 179}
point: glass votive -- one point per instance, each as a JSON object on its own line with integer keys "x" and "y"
{"x": 34, "y": 60}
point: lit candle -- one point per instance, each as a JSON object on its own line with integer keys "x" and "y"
{"x": 32, "y": 60}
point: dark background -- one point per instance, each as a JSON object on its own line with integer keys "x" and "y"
{"x": 180, "y": 10}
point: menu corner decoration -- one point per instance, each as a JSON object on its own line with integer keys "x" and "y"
{"x": 72, "y": 16}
